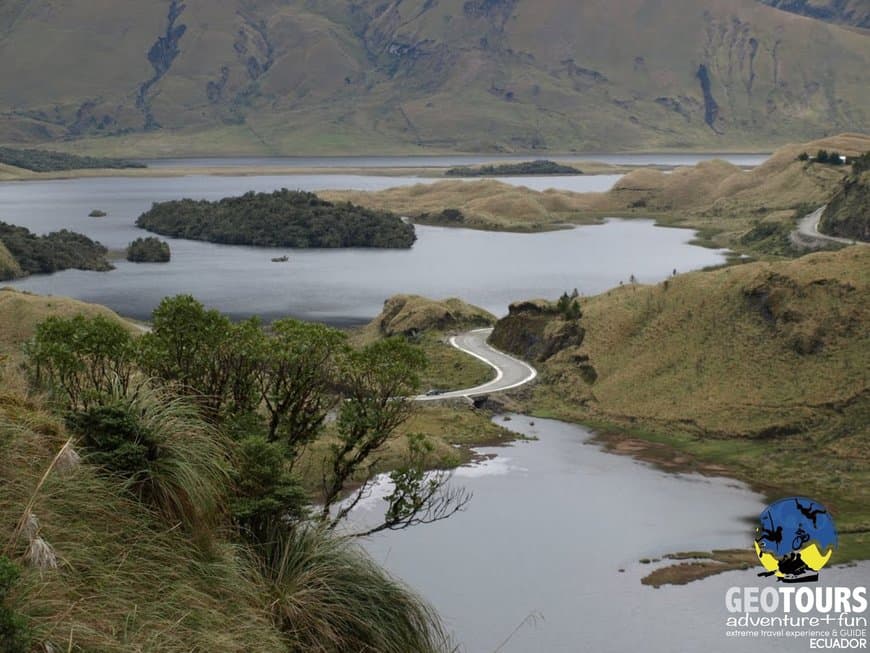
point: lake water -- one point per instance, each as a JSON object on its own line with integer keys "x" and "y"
{"x": 337, "y": 286}
{"x": 549, "y": 527}
{"x": 449, "y": 161}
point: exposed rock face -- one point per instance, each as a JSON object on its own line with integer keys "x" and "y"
{"x": 848, "y": 212}
{"x": 536, "y": 331}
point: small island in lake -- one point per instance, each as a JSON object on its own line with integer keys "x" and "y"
{"x": 148, "y": 250}
{"x": 23, "y": 252}
{"x": 541, "y": 167}
{"x": 96, "y": 213}
{"x": 281, "y": 219}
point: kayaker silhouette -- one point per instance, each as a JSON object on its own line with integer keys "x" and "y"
{"x": 809, "y": 513}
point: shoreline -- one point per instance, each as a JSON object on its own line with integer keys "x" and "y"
{"x": 11, "y": 173}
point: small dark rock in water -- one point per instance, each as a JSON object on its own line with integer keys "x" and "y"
{"x": 507, "y": 418}
{"x": 622, "y": 571}
{"x": 96, "y": 213}
{"x": 531, "y": 423}
{"x": 280, "y": 259}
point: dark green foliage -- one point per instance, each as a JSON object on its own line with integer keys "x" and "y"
{"x": 447, "y": 218}
{"x": 569, "y": 306}
{"x": 167, "y": 455}
{"x": 280, "y": 219}
{"x": 803, "y": 156}
{"x": 770, "y": 237}
{"x": 861, "y": 163}
{"x": 540, "y": 167}
{"x": 375, "y": 379}
{"x": 831, "y": 158}
{"x": 148, "y": 250}
{"x": 266, "y": 493}
{"x": 115, "y": 440}
{"x": 14, "y": 634}
{"x": 296, "y": 374}
{"x": 59, "y": 250}
{"x": 203, "y": 355}
{"x": 97, "y": 213}
{"x": 47, "y": 161}
{"x": 82, "y": 358}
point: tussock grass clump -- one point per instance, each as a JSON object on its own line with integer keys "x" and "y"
{"x": 329, "y": 596}
{"x": 168, "y": 456}
{"x": 124, "y": 579}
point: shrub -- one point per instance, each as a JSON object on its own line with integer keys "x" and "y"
{"x": 170, "y": 458}
{"x": 148, "y": 250}
{"x": 81, "y": 357}
{"x": 60, "y": 250}
{"x": 266, "y": 494}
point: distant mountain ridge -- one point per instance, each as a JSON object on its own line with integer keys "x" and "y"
{"x": 288, "y": 76}
{"x": 849, "y": 12}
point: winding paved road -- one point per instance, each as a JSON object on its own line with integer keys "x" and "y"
{"x": 510, "y": 372}
{"x": 807, "y": 233}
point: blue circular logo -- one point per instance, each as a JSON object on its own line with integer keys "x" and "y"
{"x": 794, "y": 539}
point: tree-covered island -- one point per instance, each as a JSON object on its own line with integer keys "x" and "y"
{"x": 283, "y": 218}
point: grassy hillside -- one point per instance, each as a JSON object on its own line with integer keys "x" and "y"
{"x": 156, "y": 589}
{"x": 272, "y": 77}
{"x": 749, "y": 211}
{"x": 759, "y": 369}
{"x": 20, "y": 312}
{"x": 428, "y": 322}
{"x": 130, "y": 516}
{"x": 9, "y": 268}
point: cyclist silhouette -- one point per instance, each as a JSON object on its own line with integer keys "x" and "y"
{"x": 809, "y": 513}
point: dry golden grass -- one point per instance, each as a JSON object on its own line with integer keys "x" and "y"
{"x": 736, "y": 350}
{"x": 760, "y": 370}
{"x": 124, "y": 579}
{"x": 486, "y": 204}
{"x": 21, "y": 312}
{"x": 412, "y": 314}
{"x": 721, "y": 200}
{"x": 9, "y": 268}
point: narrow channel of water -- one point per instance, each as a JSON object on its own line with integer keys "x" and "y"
{"x": 550, "y": 527}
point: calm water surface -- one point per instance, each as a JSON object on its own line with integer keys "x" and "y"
{"x": 338, "y": 286}
{"x": 549, "y": 527}
{"x": 448, "y": 161}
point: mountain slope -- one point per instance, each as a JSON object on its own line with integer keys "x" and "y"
{"x": 848, "y": 12}
{"x": 288, "y": 76}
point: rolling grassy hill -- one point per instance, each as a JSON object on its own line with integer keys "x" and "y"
{"x": 290, "y": 77}
{"x": 760, "y": 369}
